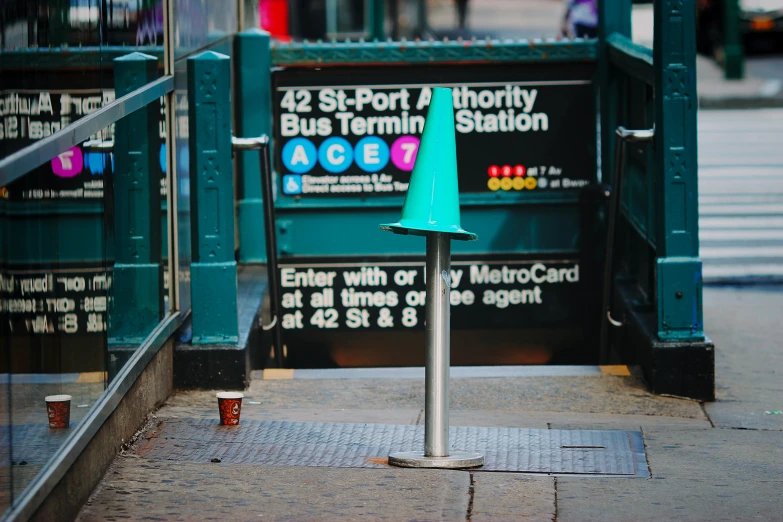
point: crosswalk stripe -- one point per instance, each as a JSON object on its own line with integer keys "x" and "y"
{"x": 740, "y": 161}
{"x": 711, "y": 172}
{"x": 755, "y": 252}
{"x": 713, "y": 272}
{"x": 723, "y": 199}
{"x": 733, "y": 187}
{"x": 740, "y": 222}
{"x": 746, "y": 210}
{"x": 756, "y": 114}
{"x": 740, "y": 235}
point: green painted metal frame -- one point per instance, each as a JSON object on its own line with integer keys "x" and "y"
{"x": 666, "y": 185}
{"x": 64, "y": 58}
{"x": 319, "y": 54}
{"x": 733, "y": 53}
{"x": 253, "y": 117}
{"x": 633, "y": 59}
{"x": 138, "y": 274}
{"x": 377, "y": 17}
{"x": 661, "y": 200}
{"x": 679, "y": 276}
{"x": 255, "y": 55}
{"x": 614, "y": 17}
{"x": 480, "y": 211}
{"x": 213, "y": 269}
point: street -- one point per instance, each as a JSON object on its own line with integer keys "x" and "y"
{"x": 740, "y": 194}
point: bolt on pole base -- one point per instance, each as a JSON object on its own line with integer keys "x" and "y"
{"x": 416, "y": 459}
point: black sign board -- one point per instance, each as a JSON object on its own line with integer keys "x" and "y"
{"x": 485, "y": 293}
{"x": 520, "y": 128}
{"x": 31, "y": 113}
{"x": 56, "y": 301}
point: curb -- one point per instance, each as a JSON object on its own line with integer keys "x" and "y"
{"x": 740, "y": 102}
{"x": 743, "y": 281}
{"x": 768, "y": 100}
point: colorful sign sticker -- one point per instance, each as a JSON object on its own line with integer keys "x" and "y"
{"x": 403, "y": 152}
{"x": 69, "y": 163}
{"x": 335, "y": 154}
{"x": 339, "y": 128}
{"x": 30, "y": 115}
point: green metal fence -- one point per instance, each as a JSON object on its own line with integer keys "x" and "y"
{"x": 139, "y": 222}
{"x": 658, "y": 278}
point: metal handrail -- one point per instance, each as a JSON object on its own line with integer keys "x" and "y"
{"x": 622, "y": 136}
{"x": 23, "y": 161}
{"x": 262, "y": 144}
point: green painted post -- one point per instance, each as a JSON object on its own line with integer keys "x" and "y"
{"x": 733, "y": 56}
{"x": 679, "y": 278}
{"x": 377, "y": 15}
{"x": 253, "y": 117}
{"x": 213, "y": 270}
{"x": 138, "y": 276}
{"x": 614, "y": 16}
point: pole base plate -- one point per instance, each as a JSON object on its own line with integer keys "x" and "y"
{"x": 416, "y": 459}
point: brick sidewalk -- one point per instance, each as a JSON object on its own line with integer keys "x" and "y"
{"x": 714, "y": 461}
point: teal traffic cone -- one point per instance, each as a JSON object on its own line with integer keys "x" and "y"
{"x": 432, "y": 201}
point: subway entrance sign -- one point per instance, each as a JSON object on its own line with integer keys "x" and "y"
{"x": 346, "y": 141}
{"x": 372, "y": 312}
{"x": 391, "y": 295}
{"x": 355, "y": 131}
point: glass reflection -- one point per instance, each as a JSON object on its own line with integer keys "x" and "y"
{"x": 59, "y": 259}
{"x": 198, "y": 23}
{"x": 85, "y": 23}
{"x": 56, "y": 283}
{"x": 5, "y": 425}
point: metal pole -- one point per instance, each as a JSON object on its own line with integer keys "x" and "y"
{"x": 733, "y": 54}
{"x": 436, "y": 374}
{"x": 262, "y": 144}
{"x": 377, "y": 19}
{"x": 271, "y": 251}
{"x": 436, "y": 403}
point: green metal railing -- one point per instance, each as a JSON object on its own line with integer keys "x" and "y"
{"x": 320, "y": 53}
{"x": 138, "y": 275}
{"x": 137, "y": 219}
{"x": 20, "y": 163}
{"x": 657, "y": 89}
{"x": 255, "y": 55}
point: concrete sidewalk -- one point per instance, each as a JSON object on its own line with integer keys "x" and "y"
{"x": 717, "y": 461}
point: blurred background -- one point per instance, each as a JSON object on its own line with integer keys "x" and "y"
{"x": 59, "y": 254}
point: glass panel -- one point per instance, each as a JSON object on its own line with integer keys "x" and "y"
{"x": 82, "y": 279}
{"x": 5, "y": 425}
{"x": 56, "y": 282}
{"x": 182, "y": 179}
{"x": 81, "y": 23}
{"x": 83, "y": 243}
{"x": 198, "y": 23}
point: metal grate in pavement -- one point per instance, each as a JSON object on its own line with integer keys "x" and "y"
{"x": 326, "y": 444}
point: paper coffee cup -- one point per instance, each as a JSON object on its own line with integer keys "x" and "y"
{"x": 58, "y": 408}
{"x": 230, "y": 407}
